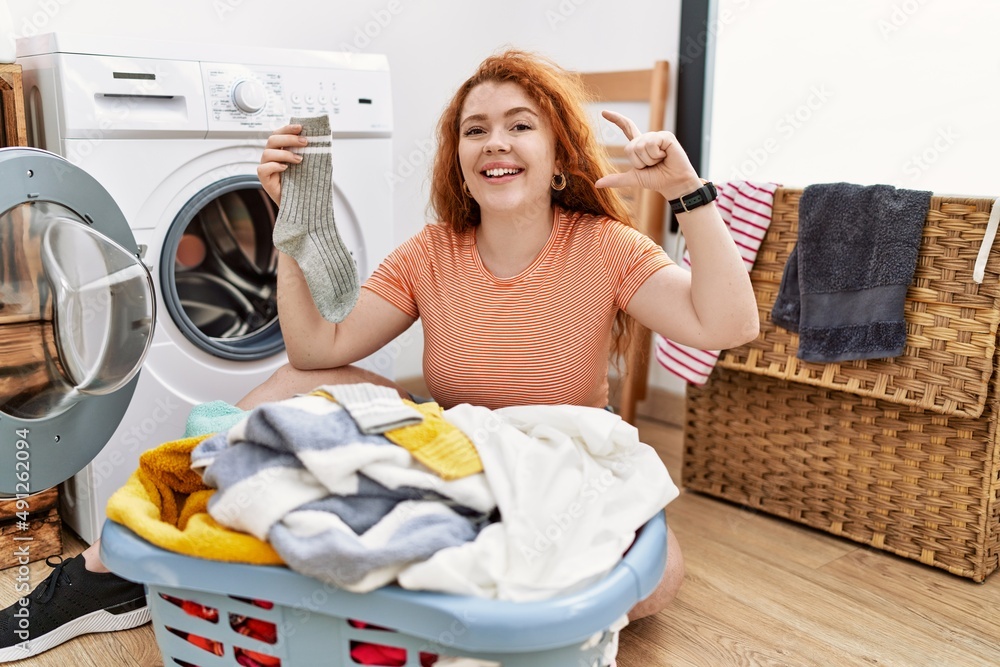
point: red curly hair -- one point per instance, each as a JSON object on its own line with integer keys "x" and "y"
{"x": 561, "y": 98}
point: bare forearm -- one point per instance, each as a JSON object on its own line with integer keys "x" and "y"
{"x": 713, "y": 307}
{"x": 308, "y": 337}
{"x": 721, "y": 293}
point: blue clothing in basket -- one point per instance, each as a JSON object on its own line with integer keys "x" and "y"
{"x": 336, "y": 504}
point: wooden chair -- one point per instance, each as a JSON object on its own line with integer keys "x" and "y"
{"x": 647, "y": 86}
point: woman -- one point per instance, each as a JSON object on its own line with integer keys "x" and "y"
{"x": 524, "y": 286}
{"x": 525, "y": 282}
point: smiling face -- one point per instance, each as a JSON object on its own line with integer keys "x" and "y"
{"x": 507, "y": 150}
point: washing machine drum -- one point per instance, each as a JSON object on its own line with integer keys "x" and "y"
{"x": 76, "y": 318}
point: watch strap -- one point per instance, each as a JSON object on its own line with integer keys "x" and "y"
{"x": 703, "y": 195}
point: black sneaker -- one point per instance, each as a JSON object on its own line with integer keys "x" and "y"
{"x": 71, "y": 602}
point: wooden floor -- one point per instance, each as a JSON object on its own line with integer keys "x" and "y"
{"x": 758, "y": 591}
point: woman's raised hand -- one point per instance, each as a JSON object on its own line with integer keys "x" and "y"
{"x": 658, "y": 161}
{"x": 277, "y": 155}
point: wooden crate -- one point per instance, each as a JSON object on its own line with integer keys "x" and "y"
{"x": 15, "y": 131}
{"x": 40, "y": 536}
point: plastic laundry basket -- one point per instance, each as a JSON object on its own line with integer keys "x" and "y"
{"x": 314, "y": 621}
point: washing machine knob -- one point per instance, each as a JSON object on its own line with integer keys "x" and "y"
{"x": 249, "y": 96}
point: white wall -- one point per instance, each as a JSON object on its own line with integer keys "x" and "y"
{"x": 903, "y": 92}
{"x": 432, "y": 46}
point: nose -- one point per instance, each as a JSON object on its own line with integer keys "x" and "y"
{"x": 496, "y": 144}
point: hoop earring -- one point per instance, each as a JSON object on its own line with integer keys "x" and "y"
{"x": 466, "y": 190}
{"x": 558, "y": 182}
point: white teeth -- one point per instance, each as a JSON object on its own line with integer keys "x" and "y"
{"x": 501, "y": 172}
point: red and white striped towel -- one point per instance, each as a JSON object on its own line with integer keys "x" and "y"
{"x": 746, "y": 209}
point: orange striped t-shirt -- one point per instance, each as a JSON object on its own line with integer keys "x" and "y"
{"x": 541, "y": 337}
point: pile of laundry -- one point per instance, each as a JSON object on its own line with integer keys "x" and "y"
{"x": 358, "y": 488}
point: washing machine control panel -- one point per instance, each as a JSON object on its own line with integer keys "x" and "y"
{"x": 243, "y": 98}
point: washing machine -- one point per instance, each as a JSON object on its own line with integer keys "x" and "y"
{"x": 174, "y": 131}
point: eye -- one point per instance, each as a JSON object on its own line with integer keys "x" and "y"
{"x": 521, "y": 127}
{"x": 472, "y": 131}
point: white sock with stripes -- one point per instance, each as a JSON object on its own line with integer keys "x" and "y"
{"x": 374, "y": 408}
{"x": 306, "y": 230}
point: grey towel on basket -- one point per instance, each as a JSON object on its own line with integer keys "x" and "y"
{"x": 844, "y": 285}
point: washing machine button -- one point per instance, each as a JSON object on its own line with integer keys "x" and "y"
{"x": 249, "y": 96}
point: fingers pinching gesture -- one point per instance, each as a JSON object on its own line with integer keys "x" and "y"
{"x": 279, "y": 152}
{"x": 658, "y": 161}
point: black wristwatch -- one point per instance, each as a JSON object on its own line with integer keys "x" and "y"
{"x": 703, "y": 195}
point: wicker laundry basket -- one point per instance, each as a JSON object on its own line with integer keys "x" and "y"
{"x": 900, "y": 454}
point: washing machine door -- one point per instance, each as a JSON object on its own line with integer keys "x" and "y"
{"x": 220, "y": 290}
{"x": 76, "y": 318}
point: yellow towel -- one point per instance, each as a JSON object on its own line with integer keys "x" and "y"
{"x": 438, "y": 444}
{"x": 434, "y": 442}
{"x": 166, "y": 503}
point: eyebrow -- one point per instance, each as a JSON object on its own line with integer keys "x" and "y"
{"x": 510, "y": 112}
